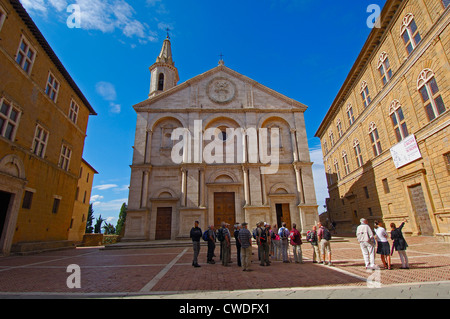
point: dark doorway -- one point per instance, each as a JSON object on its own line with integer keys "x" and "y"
{"x": 163, "y": 223}
{"x": 5, "y": 199}
{"x": 283, "y": 215}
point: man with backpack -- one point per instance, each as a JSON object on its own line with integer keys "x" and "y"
{"x": 210, "y": 237}
{"x": 196, "y": 234}
{"x": 296, "y": 243}
{"x": 311, "y": 236}
{"x": 263, "y": 240}
{"x": 283, "y": 232}
{"x": 224, "y": 237}
{"x": 324, "y": 237}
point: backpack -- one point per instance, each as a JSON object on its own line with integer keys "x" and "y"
{"x": 254, "y": 233}
{"x": 220, "y": 235}
{"x": 263, "y": 236}
{"x": 308, "y": 235}
{"x": 326, "y": 234}
{"x": 205, "y": 235}
{"x": 272, "y": 234}
{"x": 283, "y": 233}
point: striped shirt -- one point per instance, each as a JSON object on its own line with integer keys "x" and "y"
{"x": 245, "y": 237}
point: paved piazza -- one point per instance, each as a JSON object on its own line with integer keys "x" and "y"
{"x": 165, "y": 272}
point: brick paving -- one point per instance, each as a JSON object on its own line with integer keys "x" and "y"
{"x": 130, "y": 271}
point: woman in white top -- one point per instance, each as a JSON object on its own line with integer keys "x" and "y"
{"x": 383, "y": 248}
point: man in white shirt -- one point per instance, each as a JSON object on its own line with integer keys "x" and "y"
{"x": 367, "y": 243}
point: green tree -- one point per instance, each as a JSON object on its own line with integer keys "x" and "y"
{"x": 122, "y": 217}
{"x": 90, "y": 220}
{"x": 109, "y": 229}
{"x": 98, "y": 224}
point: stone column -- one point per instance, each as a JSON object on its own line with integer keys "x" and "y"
{"x": 298, "y": 177}
{"x": 246, "y": 190}
{"x": 183, "y": 186}
{"x": 148, "y": 147}
{"x": 263, "y": 187}
{"x": 145, "y": 180}
{"x": 202, "y": 187}
{"x": 294, "y": 145}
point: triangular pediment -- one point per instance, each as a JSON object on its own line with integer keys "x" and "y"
{"x": 220, "y": 88}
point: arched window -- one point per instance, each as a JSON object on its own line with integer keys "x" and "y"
{"x": 384, "y": 67}
{"x": 358, "y": 155}
{"x": 351, "y": 117}
{"x": 339, "y": 128}
{"x": 365, "y": 93}
{"x": 345, "y": 161}
{"x": 336, "y": 168}
{"x": 161, "y": 82}
{"x": 431, "y": 97}
{"x": 410, "y": 33}
{"x": 398, "y": 120}
{"x": 375, "y": 139}
{"x": 331, "y": 135}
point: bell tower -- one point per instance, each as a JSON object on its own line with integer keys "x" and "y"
{"x": 164, "y": 74}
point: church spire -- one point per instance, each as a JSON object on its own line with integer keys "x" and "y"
{"x": 164, "y": 74}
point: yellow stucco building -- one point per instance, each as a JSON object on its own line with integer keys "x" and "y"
{"x": 385, "y": 138}
{"x": 43, "y": 122}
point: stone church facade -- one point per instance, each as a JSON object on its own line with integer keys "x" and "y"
{"x": 172, "y": 187}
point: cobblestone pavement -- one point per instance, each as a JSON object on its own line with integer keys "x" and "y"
{"x": 168, "y": 273}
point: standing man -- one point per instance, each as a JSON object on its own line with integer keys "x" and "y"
{"x": 196, "y": 234}
{"x": 245, "y": 239}
{"x": 283, "y": 232}
{"x": 312, "y": 238}
{"x": 211, "y": 245}
{"x": 296, "y": 243}
{"x": 263, "y": 238}
{"x": 367, "y": 243}
{"x": 224, "y": 234}
{"x": 324, "y": 237}
{"x": 238, "y": 244}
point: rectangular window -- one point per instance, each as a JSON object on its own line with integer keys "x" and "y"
{"x": 358, "y": 155}
{"x": 351, "y": 117}
{"x": 25, "y": 56}
{"x": 9, "y": 119}
{"x": 365, "y": 96}
{"x": 447, "y": 161}
{"x": 370, "y": 211}
{"x": 56, "y": 202}
{"x": 386, "y": 186}
{"x": 366, "y": 191}
{"x": 40, "y": 141}
{"x": 336, "y": 168}
{"x": 52, "y": 87}
{"x": 27, "y": 200}
{"x": 399, "y": 124}
{"x": 339, "y": 128}
{"x": 64, "y": 159}
{"x": 73, "y": 112}
{"x": 346, "y": 164}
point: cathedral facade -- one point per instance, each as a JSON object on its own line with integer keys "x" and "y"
{"x": 219, "y": 147}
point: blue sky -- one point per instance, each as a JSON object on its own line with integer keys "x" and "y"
{"x": 303, "y": 49}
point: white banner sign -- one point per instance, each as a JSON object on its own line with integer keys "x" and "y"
{"x": 405, "y": 152}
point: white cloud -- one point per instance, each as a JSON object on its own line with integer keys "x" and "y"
{"x": 115, "y": 108}
{"x": 109, "y": 206}
{"x": 105, "y": 186}
{"x": 96, "y": 198}
{"x": 106, "y": 90}
{"x": 103, "y": 15}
